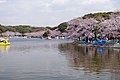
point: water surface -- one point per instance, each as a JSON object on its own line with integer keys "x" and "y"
{"x": 35, "y": 59}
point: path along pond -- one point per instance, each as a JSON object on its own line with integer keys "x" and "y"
{"x": 35, "y": 59}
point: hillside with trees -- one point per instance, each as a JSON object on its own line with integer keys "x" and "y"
{"x": 93, "y": 25}
{"x": 22, "y": 29}
{"x": 90, "y": 25}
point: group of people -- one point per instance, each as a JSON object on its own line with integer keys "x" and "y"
{"x": 101, "y": 40}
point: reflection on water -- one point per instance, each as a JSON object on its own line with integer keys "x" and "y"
{"x": 4, "y": 49}
{"x": 35, "y": 59}
{"x": 92, "y": 59}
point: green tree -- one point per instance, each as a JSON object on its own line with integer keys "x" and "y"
{"x": 10, "y": 28}
{"x": 2, "y": 29}
{"x": 62, "y": 27}
{"x": 23, "y": 29}
{"x": 98, "y": 16}
{"x": 46, "y": 34}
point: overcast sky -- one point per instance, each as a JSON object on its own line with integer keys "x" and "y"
{"x": 50, "y": 12}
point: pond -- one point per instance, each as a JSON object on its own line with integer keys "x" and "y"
{"x": 35, "y": 59}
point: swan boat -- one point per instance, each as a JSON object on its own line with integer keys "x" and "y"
{"x": 4, "y": 42}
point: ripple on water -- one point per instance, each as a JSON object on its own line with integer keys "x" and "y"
{"x": 35, "y": 59}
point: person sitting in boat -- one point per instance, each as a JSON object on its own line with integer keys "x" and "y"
{"x": 2, "y": 39}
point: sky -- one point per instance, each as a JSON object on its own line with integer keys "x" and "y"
{"x": 42, "y": 13}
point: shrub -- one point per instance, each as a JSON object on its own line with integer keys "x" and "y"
{"x": 62, "y": 27}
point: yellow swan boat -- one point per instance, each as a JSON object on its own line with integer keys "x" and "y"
{"x": 4, "y": 42}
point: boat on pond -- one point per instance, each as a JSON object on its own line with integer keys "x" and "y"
{"x": 4, "y": 42}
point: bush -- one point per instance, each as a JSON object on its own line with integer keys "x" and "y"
{"x": 62, "y": 27}
{"x": 46, "y": 34}
{"x": 98, "y": 15}
{"x": 2, "y": 29}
